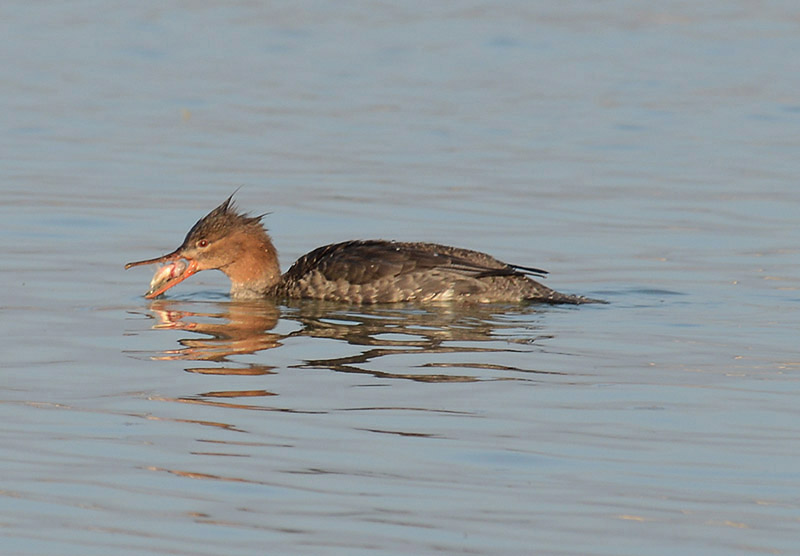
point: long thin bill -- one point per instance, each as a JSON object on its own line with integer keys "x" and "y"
{"x": 166, "y": 258}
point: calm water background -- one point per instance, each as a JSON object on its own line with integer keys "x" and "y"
{"x": 646, "y": 154}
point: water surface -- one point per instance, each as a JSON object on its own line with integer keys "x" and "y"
{"x": 643, "y": 155}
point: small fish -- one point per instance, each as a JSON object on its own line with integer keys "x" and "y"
{"x": 164, "y": 275}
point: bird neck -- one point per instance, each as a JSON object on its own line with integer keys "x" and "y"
{"x": 255, "y": 268}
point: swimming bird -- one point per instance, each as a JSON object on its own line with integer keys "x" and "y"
{"x": 358, "y": 271}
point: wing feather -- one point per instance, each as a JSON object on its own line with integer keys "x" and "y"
{"x": 361, "y": 262}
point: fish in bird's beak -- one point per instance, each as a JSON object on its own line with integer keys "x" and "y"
{"x": 176, "y": 271}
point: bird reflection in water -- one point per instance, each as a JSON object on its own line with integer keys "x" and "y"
{"x": 222, "y": 330}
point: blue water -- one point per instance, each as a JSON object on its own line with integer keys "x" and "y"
{"x": 646, "y": 155}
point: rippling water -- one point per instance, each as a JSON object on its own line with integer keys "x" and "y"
{"x": 645, "y": 155}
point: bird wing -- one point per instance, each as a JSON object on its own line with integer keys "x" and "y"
{"x": 361, "y": 262}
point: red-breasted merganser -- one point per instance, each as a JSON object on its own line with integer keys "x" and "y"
{"x": 370, "y": 271}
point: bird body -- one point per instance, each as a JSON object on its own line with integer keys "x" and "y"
{"x": 358, "y": 271}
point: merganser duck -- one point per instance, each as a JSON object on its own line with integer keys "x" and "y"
{"x": 359, "y": 271}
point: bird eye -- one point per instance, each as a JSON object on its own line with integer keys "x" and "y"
{"x": 202, "y": 243}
